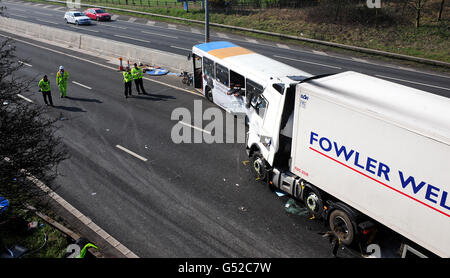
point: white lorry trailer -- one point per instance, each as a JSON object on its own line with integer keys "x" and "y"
{"x": 360, "y": 152}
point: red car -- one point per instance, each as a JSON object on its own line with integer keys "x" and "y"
{"x": 97, "y": 14}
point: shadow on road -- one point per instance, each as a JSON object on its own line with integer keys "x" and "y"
{"x": 149, "y": 97}
{"x": 86, "y": 99}
{"x": 161, "y": 96}
{"x": 69, "y": 108}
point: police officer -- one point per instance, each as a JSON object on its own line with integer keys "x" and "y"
{"x": 61, "y": 80}
{"x": 127, "y": 78}
{"x": 44, "y": 87}
{"x": 137, "y": 76}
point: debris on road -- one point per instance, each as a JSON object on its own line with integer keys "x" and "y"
{"x": 293, "y": 208}
{"x": 279, "y": 193}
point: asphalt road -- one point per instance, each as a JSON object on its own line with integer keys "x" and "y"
{"x": 185, "y": 200}
{"x": 179, "y": 39}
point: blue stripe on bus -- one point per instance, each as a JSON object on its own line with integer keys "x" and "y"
{"x": 215, "y": 45}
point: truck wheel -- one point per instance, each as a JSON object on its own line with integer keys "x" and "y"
{"x": 259, "y": 168}
{"x": 314, "y": 202}
{"x": 208, "y": 94}
{"x": 342, "y": 226}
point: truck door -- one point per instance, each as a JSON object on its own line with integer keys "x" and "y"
{"x": 274, "y": 96}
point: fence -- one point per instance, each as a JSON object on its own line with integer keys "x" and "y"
{"x": 230, "y": 5}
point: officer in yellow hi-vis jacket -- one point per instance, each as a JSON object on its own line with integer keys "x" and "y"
{"x": 127, "y": 78}
{"x": 137, "y": 76}
{"x": 44, "y": 87}
{"x": 61, "y": 80}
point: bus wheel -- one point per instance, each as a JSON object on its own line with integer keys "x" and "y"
{"x": 208, "y": 94}
{"x": 314, "y": 202}
{"x": 342, "y": 226}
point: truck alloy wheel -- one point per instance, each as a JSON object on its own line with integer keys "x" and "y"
{"x": 259, "y": 169}
{"x": 314, "y": 203}
{"x": 342, "y": 226}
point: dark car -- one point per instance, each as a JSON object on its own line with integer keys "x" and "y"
{"x": 98, "y": 14}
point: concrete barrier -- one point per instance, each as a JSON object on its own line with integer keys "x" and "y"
{"x": 100, "y": 46}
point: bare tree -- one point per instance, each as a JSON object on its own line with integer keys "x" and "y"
{"x": 441, "y": 8}
{"x": 418, "y": 6}
{"x": 28, "y": 145}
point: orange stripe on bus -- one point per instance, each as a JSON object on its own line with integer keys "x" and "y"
{"x": 229, "y": 52}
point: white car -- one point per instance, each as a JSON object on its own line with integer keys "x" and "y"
{"x": 76, "y": 18}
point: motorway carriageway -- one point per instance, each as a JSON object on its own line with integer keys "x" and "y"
{"x": 179, "y": 39}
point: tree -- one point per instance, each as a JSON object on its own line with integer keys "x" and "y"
{"x": 418, "y": 6}
{"x": 441, "y": 8}
{"x": 28, "y": 145}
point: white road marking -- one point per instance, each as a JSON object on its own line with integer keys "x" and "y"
{"x": 79, "y": 84}
{"x": 171, "y": 26}
{"x": 320, "y": 52}
{"x": 114, "y": 17}
{"x": 194, "y": 127}
{"x": 222, "y": 35}
{"x": 413, "y": 82}
{"x": 37, "y": 5}
{"x": 151, "y": 33}
{"x": 48, "y": 6}
{"x": 130, "y": 38}
{"x": 151, "y": 23}
{"x": 251, "y": 40}
{"x": 132, "y": 19}
{"x": 360, "y": 60}
{"x": 26, "y": 64}
{"x": 283, "y": 46}
{"x": 195, "y": 31}
{"x": 132, "y": 153}
{"x": 403, "y": 68}
{"x": 27, "y": 99}
{"x": 308, "y": 62}
{"x": 47, "y": 21}
{"x": 187, "y": 49}
{"x": 58, "y": 8}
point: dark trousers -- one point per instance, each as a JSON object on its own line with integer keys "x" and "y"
{"x": 139, "y": 84}
{"x": 47, "y": 95}
{"x": 127, "y": 88}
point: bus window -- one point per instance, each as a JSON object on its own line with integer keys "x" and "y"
{"x": 222, "y": 74}
{"x": 236, "y": 80}
{"x": 208, "y": 67}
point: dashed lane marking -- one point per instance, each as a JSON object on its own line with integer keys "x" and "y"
{"x": 27, "y": 99}
{"x": 131, "y": 153}
{"x": 84, "y": 86}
